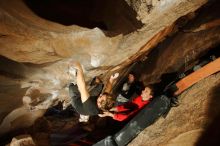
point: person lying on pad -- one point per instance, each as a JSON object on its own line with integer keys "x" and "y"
{"x": 129, "y": 87}
{"x": 127, "y": 110}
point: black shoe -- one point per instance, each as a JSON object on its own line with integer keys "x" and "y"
{"x": 170, "y": 89}
{"x": 174, "y": 102}
{"x": 181, "y": 75}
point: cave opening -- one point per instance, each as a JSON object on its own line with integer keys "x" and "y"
{"x": 116, "y": 17}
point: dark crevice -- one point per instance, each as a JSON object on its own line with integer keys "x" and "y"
{"x": 12, "y": 69}
{"x": 116, "y": 17}
{"x": 205, "y": 14}
{"x": 3, "y": 35}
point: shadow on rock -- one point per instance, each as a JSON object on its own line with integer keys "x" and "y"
{"x": 211, "y": 135}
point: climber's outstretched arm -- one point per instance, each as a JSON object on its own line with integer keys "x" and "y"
{"x": 81, "y": 81}
{"x": 110, "y": 82}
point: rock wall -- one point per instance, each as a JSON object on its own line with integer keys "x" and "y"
{"x": 38, "y": 41}
{"x": 35, "y": 53}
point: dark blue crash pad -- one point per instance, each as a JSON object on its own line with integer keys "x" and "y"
{"x": 147, "y": 116}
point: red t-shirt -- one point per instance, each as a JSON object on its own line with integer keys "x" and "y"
{"x": 122, "y": 108}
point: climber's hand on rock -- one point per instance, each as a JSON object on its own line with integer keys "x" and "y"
{"x": 113, "y": 77}
{"x": 76, "y": 65}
